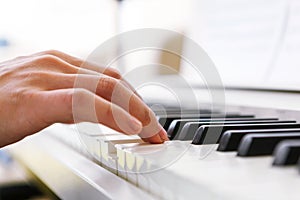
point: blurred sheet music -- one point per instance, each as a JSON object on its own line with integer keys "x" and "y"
{"x": 286, "y": 71}
{"x": 253, "y": 43}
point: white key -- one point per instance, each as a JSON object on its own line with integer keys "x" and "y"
{"x": 144, "y": 158}
{"x": 108, "y": 150}
{"x": 126, "y": 162}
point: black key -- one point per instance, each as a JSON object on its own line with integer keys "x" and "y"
{"x": 165, "y": 121}
{"x": 211, "y": 134}
{"x": 263, "y": 144}
{"x": 287, "y": 152}
{"x": 230, "y": 140}
{"x": 190, "y": 128}
{"x": 177, "y": 124}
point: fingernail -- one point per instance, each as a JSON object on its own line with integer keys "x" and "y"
{"x": 156, "y": 139}
{"x": 163, "y": 135}
{"x": 135, "y": 125}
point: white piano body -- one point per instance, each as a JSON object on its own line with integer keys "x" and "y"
{"x": 255, "y": 46}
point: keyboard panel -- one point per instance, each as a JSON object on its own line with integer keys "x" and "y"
{"x": 181, "y": 170}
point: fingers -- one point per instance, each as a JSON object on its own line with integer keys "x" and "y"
{"x": 52, "y": 63}
{"x": 89, "y": 66}
{"x": 77, "y": 66}
{"x": 82, "y": 64}
{"x": 78, "y": 105}
{"x": 113, "y": 91}
{"x": 157, "y": 138}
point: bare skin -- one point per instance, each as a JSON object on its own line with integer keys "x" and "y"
{"x": 41, "y": 89}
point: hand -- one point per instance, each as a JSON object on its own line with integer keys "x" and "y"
{"x": 52, "y": 87}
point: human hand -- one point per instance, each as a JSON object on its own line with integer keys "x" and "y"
{"x": 41, "y": 89}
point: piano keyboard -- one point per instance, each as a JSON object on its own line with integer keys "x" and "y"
{"x": 209, "y": 156}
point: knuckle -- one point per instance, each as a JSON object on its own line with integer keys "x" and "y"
{"x": 113, "y": 73}
{"x": 142, "y": 112}
{"x": 20, "y": 58}
{"x": 51, "y": 62}
{"x": 52, "y": 52}
{"x": 108, "y": 112}
{"x": 46, "y": 60}
{"x": 146, "y": 117}
{"x": 108, "y": 84}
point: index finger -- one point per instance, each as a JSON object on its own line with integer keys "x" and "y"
{"x": 115, "y": 92}
{"x": 112, "y": 90}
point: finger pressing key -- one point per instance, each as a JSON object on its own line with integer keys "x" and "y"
{"x": 114, "y": 91}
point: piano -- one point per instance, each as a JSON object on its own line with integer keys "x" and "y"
{"x": 246, "y": 146}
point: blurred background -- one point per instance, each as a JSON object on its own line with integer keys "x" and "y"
{"x": 254, "y": 43}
